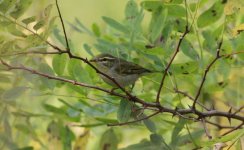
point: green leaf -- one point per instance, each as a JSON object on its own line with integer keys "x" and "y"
{"x": 114, "y": 24}
{"x": 44, "y": 68}
{"x": 151, "y": 5}
{"x": 131, "y": 9}
{"x": 26, "y": 148}
{"x": 6, "y": 5}
{"x": 96, "y": 30}
{"x": 189, "y": 50}
{"x": 88, "y": 49}
{"x": 39, "y": 25}
{"x": 14, "y": 93}
{"x": 210, "y": 16}
{"x": 157, "y": 23}
{"x": 29, "y": 20}
{"x": 106, "y": 120}
{"x": 109, "y": 140}
{"x": 176, "y": 11}
{"x": 59, "y": 63}
{"x": 184, "y": 68}
{"x": 156, "y": 139}
{"x": 14, "y": 31}
{"x": 58, "y": 36}
{"x": 20, "y": 8}
{"x": 47, "y": 11}
{"x": 80, "y": 74}
{"x": 175, "y": 134}
{"x": 150, "y": 125}
{"x": 53, "y": 109}
{"x": 67, "y": 137}
{"x": 82, "y": 27}
{"x": 23, "y": 128}
{"x": 124, "y": 110}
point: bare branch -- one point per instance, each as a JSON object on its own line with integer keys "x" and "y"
{"x": 205, "y": 74}
{"x": 237, "y": 127}
{"x": 169, "y": 64}
{"x": 206, "y": 129}
{"x": 134, "y": 121}
{"x": 62, "y": 23}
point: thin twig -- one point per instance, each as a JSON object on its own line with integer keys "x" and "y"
{"x": 205, "y": 74}
{"x": 134, "y": 121}
{"x": 206, "y": 129}
{"x": 191, "y": 98}
{"x": 237, "y": 127}
{"x": 219, "y": 126}
{"x": 62, "y": 23}
{"x": 169, "y": 64}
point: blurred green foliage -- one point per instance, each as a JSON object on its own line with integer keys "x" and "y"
{"x": 40, "y": 113}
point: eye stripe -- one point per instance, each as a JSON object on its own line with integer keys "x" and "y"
{"x": 106, "y": 58}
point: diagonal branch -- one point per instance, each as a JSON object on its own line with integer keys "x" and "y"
{"x": 218, "y": 56}
{"x": 169, "y": 64}
{"x": 62, "y": 23}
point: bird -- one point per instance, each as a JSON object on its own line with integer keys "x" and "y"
{"x": 124, "y": 72}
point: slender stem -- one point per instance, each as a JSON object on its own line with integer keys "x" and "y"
{"x": 134, "y": 121}
{"x": 205, "y": 74}
{"x": 62, "y": 23}
{"x": 169, "y": 64}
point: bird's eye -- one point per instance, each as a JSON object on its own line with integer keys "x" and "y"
{"x": 103, "y": 59}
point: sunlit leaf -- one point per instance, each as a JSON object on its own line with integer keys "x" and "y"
{"x": 238, "y": 29}
{"x": 184, "y": 68}
{"x": 82, "y": 141}
{"x": 96, "y": 30}
{"x": 211, "y": 15}
{"x": 59, "y": 63}
{"x": 53, "y": 109}
{"x": 234, "y": 6}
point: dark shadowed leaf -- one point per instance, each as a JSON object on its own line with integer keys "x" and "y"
{"x": 29, "y": 20}
{"x": 124, "y": 110}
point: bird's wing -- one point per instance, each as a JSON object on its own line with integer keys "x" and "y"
{"x": 126, "y": 68}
